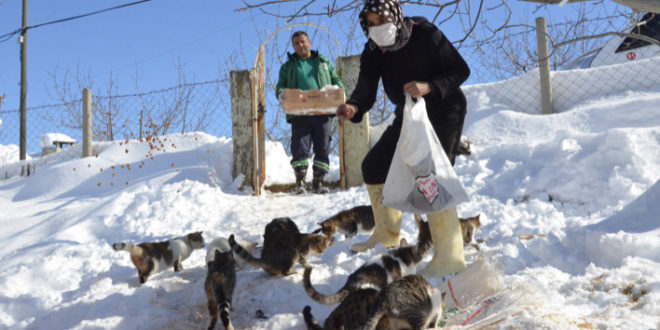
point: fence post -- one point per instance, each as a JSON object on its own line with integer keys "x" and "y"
{"x": 259, "y": 111}
{"x": 87, "y": 122}
{"x": 544, "y": 66}
{"x": 353, "y": 138}
{"x": 244, "y": 127}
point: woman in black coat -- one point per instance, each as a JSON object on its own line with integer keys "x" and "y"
{"x": 410, "y": 55}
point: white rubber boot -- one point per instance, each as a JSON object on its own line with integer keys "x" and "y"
{"x": 388, "y": 222}
{"x": 448, "y": 255}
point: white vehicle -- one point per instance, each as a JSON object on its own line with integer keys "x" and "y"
{"x": 623, "y": 49}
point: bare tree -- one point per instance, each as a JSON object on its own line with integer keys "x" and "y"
{"x": 517, "y": 51}
{"x": 105, "y": 109}
{"x": 652, "y": 6}
{"x": 67, "y": 89}
{"x": 487, "y": 27}
{"x": 149, "y": 113}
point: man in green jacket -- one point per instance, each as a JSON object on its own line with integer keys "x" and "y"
{"x": 305, "y": 70}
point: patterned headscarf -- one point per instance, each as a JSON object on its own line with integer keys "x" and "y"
{"x": 391, "y": 10}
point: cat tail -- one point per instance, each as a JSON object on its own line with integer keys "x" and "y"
{"x": 330, "y": 299}
{"x": 424, "y": 239}
{"x": 225, "y": 317}
{"x": 244, "y": 254}
{"x": 123, "y": 246}
{"x": 310, "y": 321}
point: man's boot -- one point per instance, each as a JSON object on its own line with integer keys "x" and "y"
{"x": 388, "y": 222}
{"x": 300, "y": 173}
{"x": 317, "y": 183}
{"x": 448, "y": 255}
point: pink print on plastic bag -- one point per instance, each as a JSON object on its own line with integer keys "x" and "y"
{"x": 428, "y": 185}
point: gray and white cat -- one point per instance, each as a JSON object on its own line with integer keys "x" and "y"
{"x": 284, "y": 247}
{"x": 220, "y": 282}
{"x": 357, "y": 220}
{"x": 150, "y": 258}
{"x": 380, "y": 270}
{"x": 409, "y": 302}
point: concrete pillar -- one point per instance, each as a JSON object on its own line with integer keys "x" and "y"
{"x": 544, "y": 66}
{"x": 353, "y": 138}
{"x": 244, "y": 127}
{"x": 87, "y": 123}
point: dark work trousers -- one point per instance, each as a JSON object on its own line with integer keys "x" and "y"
{"x": 307, "y": 131}
{"x": 377, "y": 162}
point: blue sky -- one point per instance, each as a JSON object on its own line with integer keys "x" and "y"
{"x": 147, "y": 38}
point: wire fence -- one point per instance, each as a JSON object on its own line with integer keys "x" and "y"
{"x": 206, "y": 106}
{"x": 203, "y": 106}
{"x": 570, "y": 88}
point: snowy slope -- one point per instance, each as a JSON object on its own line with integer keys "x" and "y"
{"x": 583, "y": 182}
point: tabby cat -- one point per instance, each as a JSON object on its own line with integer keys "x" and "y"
{"x": 411, "y": 301}
{"x": 284, "y": 247}
{"x": 219, "y": 286}
{"x": 150, "y": 258}
{"x": 350, "y": 314}
{"x": 469, "y": 227}
{"x": 380, "y": 270}
{"x": 357, "y": 220}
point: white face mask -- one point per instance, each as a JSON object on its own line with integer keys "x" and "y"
{"x": 384, "y": 34}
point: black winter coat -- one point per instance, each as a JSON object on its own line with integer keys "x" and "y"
{"x": 427, "y": 57}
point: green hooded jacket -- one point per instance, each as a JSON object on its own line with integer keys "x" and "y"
{"x": 287, "y": 77}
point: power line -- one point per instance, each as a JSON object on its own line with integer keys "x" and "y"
{"x": 7, "y": 36}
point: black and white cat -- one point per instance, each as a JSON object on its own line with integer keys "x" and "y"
{"x": 150, "y": 258}
{"x": 380, "y": 270}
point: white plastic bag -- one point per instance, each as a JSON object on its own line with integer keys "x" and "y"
{"x": 421, "y": 178}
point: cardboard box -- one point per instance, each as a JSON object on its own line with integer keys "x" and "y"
{"x": 312, "y": 102}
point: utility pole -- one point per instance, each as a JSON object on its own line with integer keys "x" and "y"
{"x": 23, "y": 41}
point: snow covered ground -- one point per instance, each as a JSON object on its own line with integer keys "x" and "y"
{"x": 583, "y": 184}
